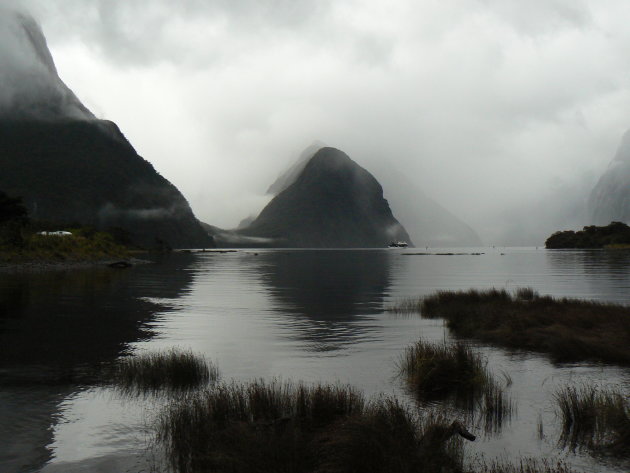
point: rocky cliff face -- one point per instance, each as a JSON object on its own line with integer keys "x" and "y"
{"x": 610, "y": 199}
{"x": 67, "y": 165}
{"x": 332, "y": 202}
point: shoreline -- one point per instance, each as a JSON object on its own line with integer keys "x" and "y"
{"x": 44, "y": 265}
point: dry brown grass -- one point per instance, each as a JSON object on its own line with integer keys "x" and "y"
{"x": 283, "y": 427}
{"x": 566, "y": 329}
{"x": 456, "y": 373}
{"x": 173, "y": 370}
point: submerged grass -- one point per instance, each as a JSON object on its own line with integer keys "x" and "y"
{"x": 285, "y": 427}
{"x": 171, "y": 370}
{"x": 598, "y": 419}
{"x": 455, "y": 372}
{"x": 566, "y": 329}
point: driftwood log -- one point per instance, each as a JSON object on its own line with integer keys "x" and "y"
{"x": 120, "y": 264}
{"x": 438, "y": 434}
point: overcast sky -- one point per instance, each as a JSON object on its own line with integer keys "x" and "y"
{"x": 489, "y": 105}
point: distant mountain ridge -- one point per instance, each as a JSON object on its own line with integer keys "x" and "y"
{"x": 331, "y": 203}
{"x": 427, "y": 221}
{"x": 70, "y": 167}
{"x": 610, "y": 199}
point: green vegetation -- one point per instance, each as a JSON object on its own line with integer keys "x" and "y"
{"x": 21, "y": 240}
{"x": 566, "y": 329}
{"x": 595, "y": 418}
{"x": 52, "y": 248}
{"x": 614, "y": 235}
{"x": 171, "y": 370}
{"x": 275, "y": 427}
{"x": 455, "y": 372}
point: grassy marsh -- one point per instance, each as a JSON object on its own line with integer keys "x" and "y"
{"x": 172, "y": 370}
{"x": 276, "y": 427}
{"x": 566, "y": 329}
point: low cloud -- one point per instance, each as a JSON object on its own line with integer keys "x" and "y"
{"x": 486, "y": 105}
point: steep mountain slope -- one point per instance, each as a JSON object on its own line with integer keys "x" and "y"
{"x": 86, "y": 172}
{"x": 610, "y": 199}
{"x": 67, "y": 165}
{"x": 333, "y": 202}
{"x": 428, "y": 222}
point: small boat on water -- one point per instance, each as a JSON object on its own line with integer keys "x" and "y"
{"x": 398, "y": 244}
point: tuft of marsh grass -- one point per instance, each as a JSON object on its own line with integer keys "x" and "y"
{"x": 455, "y": 372}
{"x": 527, "y": 465}
{"x": 286, "y": 427}
{"x": 566, "y": 329}
{"x": 171, "y": 370}
{"x": 595, "y": 418}
{"x": 495, "y": 407}
{"x": 439, "y": 370}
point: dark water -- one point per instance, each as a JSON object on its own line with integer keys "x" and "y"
{"x": 299, "y": 315}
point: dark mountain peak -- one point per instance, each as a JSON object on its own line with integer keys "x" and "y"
{"x": 332, "y": 202}
{"x": 330, "y": 160}
{"x": 290, "y": 175}
{"x": 331, "y": 157}
{"x": 330, "y": 167}
{"x": 31, "y": 87}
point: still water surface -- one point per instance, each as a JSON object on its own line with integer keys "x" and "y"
{"x": 315, "y": 315}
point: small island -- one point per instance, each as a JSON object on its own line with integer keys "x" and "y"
{"x": 613, "y": 235}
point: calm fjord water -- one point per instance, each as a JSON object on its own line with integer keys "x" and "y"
{"x": 311, "y": 315}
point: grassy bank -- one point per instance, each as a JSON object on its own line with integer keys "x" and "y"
{"x": 69, "y": 248}
{"x": 273, "y": 427}
{"x": 566, "y": 329}
{"x": 594, "y": 418}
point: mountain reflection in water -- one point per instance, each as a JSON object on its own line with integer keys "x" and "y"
{"x": 56, "y": 329}
{"x": 323, "y": 293}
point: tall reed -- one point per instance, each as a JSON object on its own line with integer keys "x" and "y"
{"x": 595, "y": 418}
{"x": 527, "y": 465}
{"x": 174, "y": 369}
{"x": 455, "y": 372}
{"x": 285, "y": 427}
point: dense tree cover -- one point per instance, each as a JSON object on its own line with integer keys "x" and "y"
{"x": 615, "y": 233}
{"x": 13, "y": 217}
{"x": 11, "y": 209}
{"x": 21, "y": 238}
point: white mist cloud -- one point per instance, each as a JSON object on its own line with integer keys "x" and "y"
{"x": 492, "y": 107}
